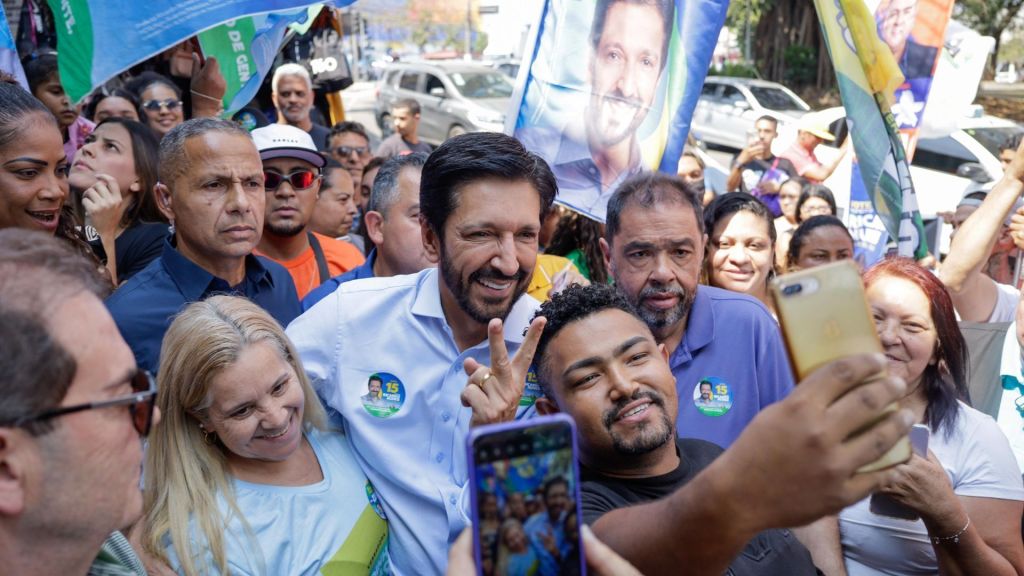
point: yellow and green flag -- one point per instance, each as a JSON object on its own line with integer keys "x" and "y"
{"x": 867, "y": 74}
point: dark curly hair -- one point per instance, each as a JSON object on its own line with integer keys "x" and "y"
{"x": 577, "y": 231}
{"x": 574, "y": 303}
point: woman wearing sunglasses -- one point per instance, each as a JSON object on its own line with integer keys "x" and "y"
{"x": 244, "y": 474}
{"x": 112, "y": 177}
{"x": 160, "y": 102}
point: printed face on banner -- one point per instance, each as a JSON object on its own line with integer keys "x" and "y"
{"x": 625, "y": 69}
{"x": 895, "y": 21}
{"x": 914, "y": 31}
{"x": 610, "y": 91}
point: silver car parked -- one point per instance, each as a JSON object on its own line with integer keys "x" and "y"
{"x": 454, "y": 97}
{"x": 728, "y": 108}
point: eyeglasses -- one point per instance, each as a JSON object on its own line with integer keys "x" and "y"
{"x": 156, "y": 105}
{"x": 141, "y": 403}
{"x": 349, "y": 150}
{"x": 300, "y": 179}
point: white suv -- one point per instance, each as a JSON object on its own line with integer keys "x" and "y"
{"x": 940, "y": 167}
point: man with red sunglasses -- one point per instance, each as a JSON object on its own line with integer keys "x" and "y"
{"x": 291, "y": 177}
{"x": 73, "y": 413}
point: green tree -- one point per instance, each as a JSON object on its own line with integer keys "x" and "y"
{"x": 743, "y": 16}
{"x": 988, "y": 17}
{"x": 789, "y": 47}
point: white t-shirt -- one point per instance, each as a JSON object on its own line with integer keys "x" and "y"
{"x": 333, "y": 526}
{"x": 1006, "y": 303}
{"x": 978, "y": 460}
{"x": 1010, "y": 420}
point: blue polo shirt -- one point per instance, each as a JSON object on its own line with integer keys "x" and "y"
{"x": 733, "y": 346}
{"x": 411, "y": 440}
{"x": 328, "y": 287}
{"x": 144, "y": 306}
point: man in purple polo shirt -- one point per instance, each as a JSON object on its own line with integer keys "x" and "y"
{"x": 725, "y": 349}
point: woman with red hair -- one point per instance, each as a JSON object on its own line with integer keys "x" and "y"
{"x": 967, "y": 490}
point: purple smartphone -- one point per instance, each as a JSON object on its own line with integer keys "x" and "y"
{"x": 524, "y": 486}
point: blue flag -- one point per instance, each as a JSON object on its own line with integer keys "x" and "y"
{"x": 98, "y": 39}
{"x": 9, "y": 53}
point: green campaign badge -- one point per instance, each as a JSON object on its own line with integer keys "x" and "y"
{"x": 712, "y": 396}
{"x": 385, "y": 395}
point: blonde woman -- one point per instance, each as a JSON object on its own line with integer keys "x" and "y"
{"x": 243, "y": 475}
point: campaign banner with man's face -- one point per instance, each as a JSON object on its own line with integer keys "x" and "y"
{"x": 914, "y": 31}
{"x": 608, "y": 90}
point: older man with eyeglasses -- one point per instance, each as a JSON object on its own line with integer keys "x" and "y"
{"x": 75, "y": 408}
{"x": 291, "y": 176}
{"x": 212, "y": 192}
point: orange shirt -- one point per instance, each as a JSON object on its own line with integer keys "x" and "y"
{"x": 341, "y": 257}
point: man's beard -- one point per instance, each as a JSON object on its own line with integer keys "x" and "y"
{"x": 295, "y": 115}
{"x": 600, "y": 109}
{"x": 649, "y": 437}
{"x": 287, "y": 230}
{"x": 658, "y": 319}
{"x": 453, "y": 280}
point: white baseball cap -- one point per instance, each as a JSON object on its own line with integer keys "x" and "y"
{"x": 284, "y": 141}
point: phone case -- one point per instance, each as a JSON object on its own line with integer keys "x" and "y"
{"x": 523, "y": 426}
{"x": 824, "y": 316}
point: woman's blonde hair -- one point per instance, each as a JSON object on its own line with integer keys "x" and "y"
{"x": 184, "y": 472}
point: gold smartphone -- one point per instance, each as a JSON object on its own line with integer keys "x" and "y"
{"x": 824, "y": 316}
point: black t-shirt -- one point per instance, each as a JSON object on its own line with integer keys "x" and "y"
{"x": 135, "y": 248}
{"x": 773, "y": 169}
{"x": 772, "y": 552}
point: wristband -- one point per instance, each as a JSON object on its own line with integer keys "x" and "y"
{"x": 955, "y": 538}
{"x": 201, "y": 95}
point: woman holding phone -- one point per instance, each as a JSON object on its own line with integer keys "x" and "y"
{"x": 967, "y": 488}
{"x": 244, "y": 475}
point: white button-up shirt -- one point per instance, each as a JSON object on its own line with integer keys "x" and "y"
{"x": 416, "y": 456}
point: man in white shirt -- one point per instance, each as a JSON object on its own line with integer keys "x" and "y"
{"x": 482, "y": 199}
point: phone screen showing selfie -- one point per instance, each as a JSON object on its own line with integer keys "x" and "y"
{"x": 526, "y": 504}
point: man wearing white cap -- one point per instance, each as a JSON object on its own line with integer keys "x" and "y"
{"x": 811, "y": 131}
{"x": 291, "y": 171}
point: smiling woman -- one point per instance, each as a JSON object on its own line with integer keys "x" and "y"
{"x": 244, "y": 475}
{"x": 741, "y": 245}
{"x": 966, "y": 487}
{"x": 33, "y": 168}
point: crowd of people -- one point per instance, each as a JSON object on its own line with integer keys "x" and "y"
{"x": 260, "y": 350}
